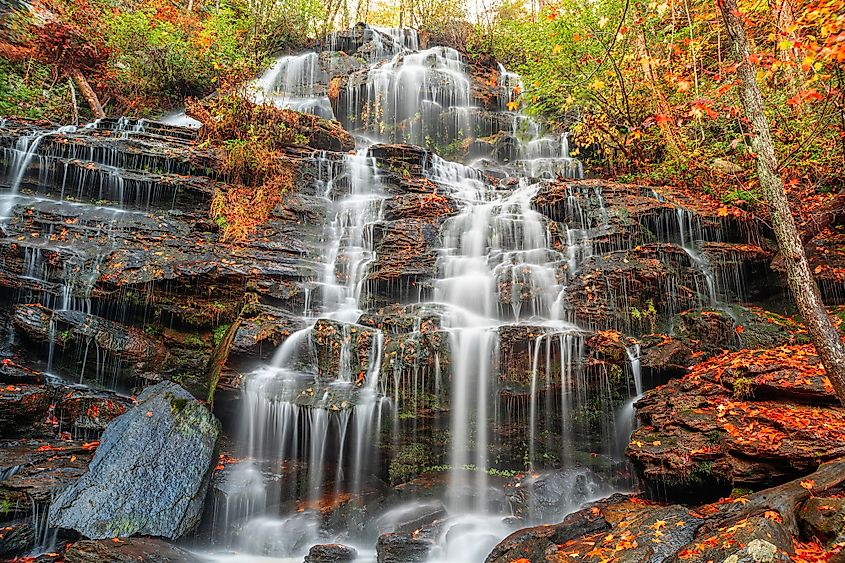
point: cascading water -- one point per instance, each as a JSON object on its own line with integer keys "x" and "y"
{"x": 348, "y": 396}
{"x": 496, "y": 269}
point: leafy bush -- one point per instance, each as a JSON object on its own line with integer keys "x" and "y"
{"x": 252, "y": 137}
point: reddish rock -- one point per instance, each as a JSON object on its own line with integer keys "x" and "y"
{"x": 127, "y": 550}
{"x": 23, "y": 407}
{"x": 744, "y": 419}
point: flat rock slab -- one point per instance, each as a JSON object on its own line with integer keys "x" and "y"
{"x": 140, "y": 550}
{"x": 149, "y": 475}
{"x": 749, "y": 419}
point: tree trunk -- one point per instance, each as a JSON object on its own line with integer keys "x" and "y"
{"x": 785, "y": 499}
{"x": 219, "y": 357}
{"x": 806, "y": 293}
{"x": 784, "y": 16}
{"x": 73, "y": 102}
{"x": 87, "y": 92}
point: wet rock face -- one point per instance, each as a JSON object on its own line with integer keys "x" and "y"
{"x": 262, "y": 329}
{"x": 627, "y": 290}
{"x": 344, "y": 350}
{"x": 31, "y": 473}
{"x": 86, "y": 412}
{"x": 744, "y": 419}
{"x": 755, "y": 539}
{"x": 823, "y": 518}
{"x": 402, "y": 547}
{"x": 541, "y": 542}
{"x": 74, "y": 330}
{"x": 22, "y": 408}
{"x": 150, "y": 473}
{"x": 623, "y": 528}
{"x": 331, "y": 553}
{"x": 34, "y": 470}
{"x": 734, "y": 328}
{"x": 131, "y": 550}
{"x": 545, "y": 496}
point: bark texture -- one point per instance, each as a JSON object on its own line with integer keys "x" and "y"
{"x": 799, "y": 276}
{"x": 87, "y": 92}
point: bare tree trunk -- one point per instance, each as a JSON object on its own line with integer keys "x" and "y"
{"x": 784, "y": 15}
{"x": 87, "y": 92}
{"x": 74, "y": 104}
{"x": 822, "y": 331}
{"x": 662, "y": 105}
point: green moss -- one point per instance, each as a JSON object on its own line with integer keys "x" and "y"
{"x": 177, "y": 405}
{"x": 715, "y": 437}
{"x": 219, "y": 333}
{"x": 743, "y": 388}
{"x": 738, "y": 492}
{"x": 410, "y": 461}
{"x": 194, "y": 341}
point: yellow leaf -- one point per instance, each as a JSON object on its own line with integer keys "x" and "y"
{"x": 808, "y": 484}
{"x": 557, "y": 49}
{"x": 603, "y": 22}
{"x": 513, "y": 106}
{"x": 722, "y": 211}
{"x": 659, "y": 524}
{"x": 785, "y": 44}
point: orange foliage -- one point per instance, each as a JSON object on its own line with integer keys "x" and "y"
{"x": 811, "y": 552}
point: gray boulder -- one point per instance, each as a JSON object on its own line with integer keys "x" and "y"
{"x": 150, "y": 473}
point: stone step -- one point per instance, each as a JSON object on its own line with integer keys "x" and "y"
{"x": 81, "y": 180}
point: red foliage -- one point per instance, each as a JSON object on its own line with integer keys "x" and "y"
{"x": 70, "y": 35}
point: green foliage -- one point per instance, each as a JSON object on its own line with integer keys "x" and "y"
{"x": 646, "y": 316}
{"x": 648, "y": 88}
{"x": 743, "y": 388}
{"x": 145, "y": 57}
{"x": 158, "y": 62}
{"x": 253, "y": 137}
{"x": 219, "y": 333}
{"x": 30, "y": 92}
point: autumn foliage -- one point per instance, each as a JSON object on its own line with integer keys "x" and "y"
{"x": 649, "y": 88}
{"x": 252, "y": 138}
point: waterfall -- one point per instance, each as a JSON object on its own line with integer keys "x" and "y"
{"x": 463, "y": 397}
{"x": 26, "y": 149}
{"x": 497, "y": 268}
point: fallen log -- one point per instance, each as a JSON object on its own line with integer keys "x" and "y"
{"x": 784, "y": 499}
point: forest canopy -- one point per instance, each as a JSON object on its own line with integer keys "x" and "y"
{"x": 648, "y": 89}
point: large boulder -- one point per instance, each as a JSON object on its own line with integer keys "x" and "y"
{"x": 823, "y": 518}
{"x": 402, "y": 547}
{"x": 540, "y": 542}
{"x": 331, "y": 553}
{"x": 150, "y": 473}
